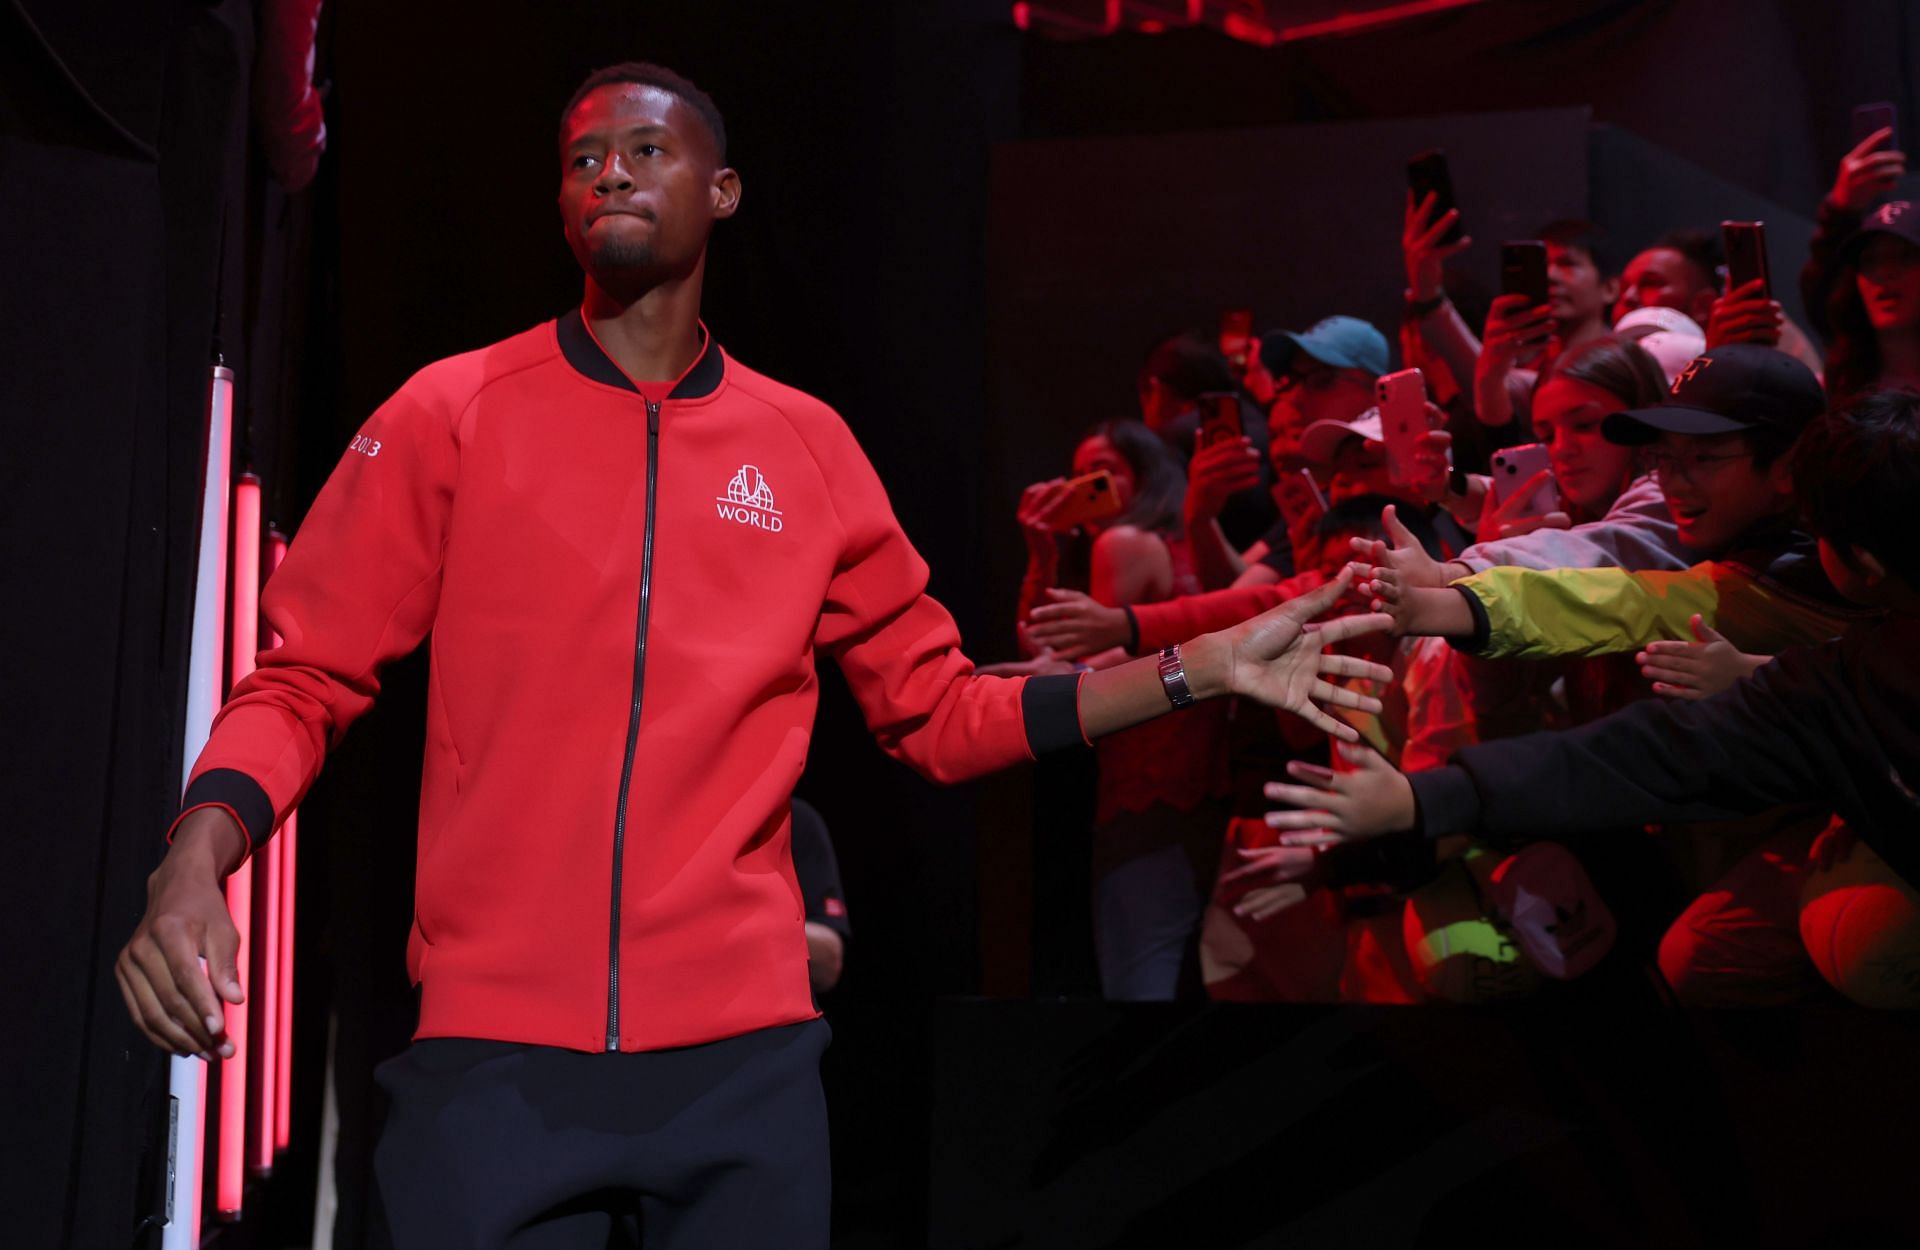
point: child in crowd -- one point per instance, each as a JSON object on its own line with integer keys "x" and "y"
{"x": 1831, "y": 724}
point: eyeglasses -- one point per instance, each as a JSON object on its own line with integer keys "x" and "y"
{"x": 1306, "y": 379}
{"x": 1692, "y": 469}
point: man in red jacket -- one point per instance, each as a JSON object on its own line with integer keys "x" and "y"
{"x": 628, "y": 548}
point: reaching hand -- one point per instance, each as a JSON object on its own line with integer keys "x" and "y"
{"x": 1867, "y": 173}
{"x": 1745, "y": 315}
{"x": 1217, "y": 472}
{"x": 1406, "y": 557}
{"x": 1694, "y": 670}
{"x": 1332, "y": 808}
{"x": 1420, "y": 244}
{"x": 1076, "y": 625}
{"x": 1279, "y": 658}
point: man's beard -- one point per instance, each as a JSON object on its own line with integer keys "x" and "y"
{"x": 633, "y": 256}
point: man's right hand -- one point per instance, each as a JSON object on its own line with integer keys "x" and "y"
{"x": 175, "y": 1001}
{"x": 1867, "y": 173}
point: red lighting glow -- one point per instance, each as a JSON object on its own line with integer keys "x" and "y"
{"x": 230, "y": 1177}
{"x": 286, "y": 844}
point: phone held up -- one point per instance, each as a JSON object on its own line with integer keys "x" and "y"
{"x": 1427, "y": 175}
{"x": 1523, "y": 270}
{"x": 1869, "y": 118}
{"x": 1514, "y": 467}
{"x": 1402, "y": 399}
{"x": 1090, "y": 497}
{"x": 1746, "y": 244}
{"x": 1219, "y": 419}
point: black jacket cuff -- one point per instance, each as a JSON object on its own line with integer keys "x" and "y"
{"x": 1445, "y": 802}
{"x": 1051, "y": 708}
{"x": 1476, "y": 642}
{"x": 239, "y": 793}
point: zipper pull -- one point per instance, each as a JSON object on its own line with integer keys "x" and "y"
{"x": 653, "y": 418}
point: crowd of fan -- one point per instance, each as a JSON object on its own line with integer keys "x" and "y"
{"x": 1702, "y": 575}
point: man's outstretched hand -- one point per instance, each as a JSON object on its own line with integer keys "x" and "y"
{"x": 1279, "y": 658}
{"x": 175, "y": 1001}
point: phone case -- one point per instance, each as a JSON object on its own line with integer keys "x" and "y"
{"x": 1219, "y": 419}
{"x": 1523, "y": 270}
{"x": 1514, "y": 467}
{"x": 1871, "y": 117}
{"x": 1403, "y": 420}
{"x": 1746, "y": 247}
{"x": 1093, "y": 499}
{"x": 1428, "y": 172}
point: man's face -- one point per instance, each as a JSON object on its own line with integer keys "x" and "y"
{"x": 1311, "y": 391}
{"x": 1576, "y": 290}
{"x": 1661, "y": 277}
{"x": 640, "y": 185}
{"x": 1713, "y": 489}
{"x": 1360, "y": 468}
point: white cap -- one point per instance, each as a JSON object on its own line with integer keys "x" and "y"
{"x": 1644, "y": 321}
{"x": 1321, "y": 440}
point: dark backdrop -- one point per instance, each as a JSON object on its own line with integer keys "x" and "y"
{"x": 857, "y": 271}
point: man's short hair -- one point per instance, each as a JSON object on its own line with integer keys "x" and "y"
{"x": 1701, "y": 249}
{"x": 1856, "y": 471}
{"x": 1583, "y": 236}
{"x": 1189, "y": 365}
{"x": 649, "y": 75}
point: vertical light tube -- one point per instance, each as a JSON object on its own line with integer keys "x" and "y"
{"x": 288, "y": 844}
{"x": 230, "y": 1180}
{"x": 187, "y": 1077}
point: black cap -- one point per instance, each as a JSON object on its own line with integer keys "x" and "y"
{"x": 1900, "y": 218}
{"x": 1741, "y": 386}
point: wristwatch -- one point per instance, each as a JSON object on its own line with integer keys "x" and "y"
{"x": 1174, "y": 678}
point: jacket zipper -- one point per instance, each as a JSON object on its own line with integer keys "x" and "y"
{"x": 633, "y": 728}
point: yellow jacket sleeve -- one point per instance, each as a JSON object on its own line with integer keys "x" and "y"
{"x": 1535, "y": 614}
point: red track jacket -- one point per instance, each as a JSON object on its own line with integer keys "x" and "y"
{"x": 625, "y": 598}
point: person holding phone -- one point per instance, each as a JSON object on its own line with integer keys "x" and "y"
{"x": 1161, "y": 794}
{"x": 1177, "y": 373}
{"x": 1868, "y": 173}
{"x": 1524, "y": 333}
{"x": 1873, "y": 309}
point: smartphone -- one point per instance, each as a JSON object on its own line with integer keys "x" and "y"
{"x": 1746, "y": 244}
{"x": 1219, "y": 419}
{"x": 1514, "y": 467}
{"x": 1871, "y": 117}
{"x": 1523, "y": 270}
{"x": 1427, "y": 173}
{"x": 1236, "y": 337}
{"x": 1090, "y": 497}
{"x": 1402, "y": 398}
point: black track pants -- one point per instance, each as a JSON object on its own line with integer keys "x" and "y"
{"x": 503, "y": 1146}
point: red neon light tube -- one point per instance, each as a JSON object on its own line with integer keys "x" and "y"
{"x": 230, "y": 1174}
{"x": 286, "y": 844}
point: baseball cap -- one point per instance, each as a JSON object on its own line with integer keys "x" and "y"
{"x": 1671, "y": 337}
{"x": 1320, "y": 441}
{"x": 1741, "y": 386}
{"x": 1343, "y": 342}
{"x": 1900, "y": 218}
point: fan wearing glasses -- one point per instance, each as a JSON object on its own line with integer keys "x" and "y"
{"x": 1721, "y": 451}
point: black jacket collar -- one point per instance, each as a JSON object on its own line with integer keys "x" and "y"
{"x": 584, "y": 354}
